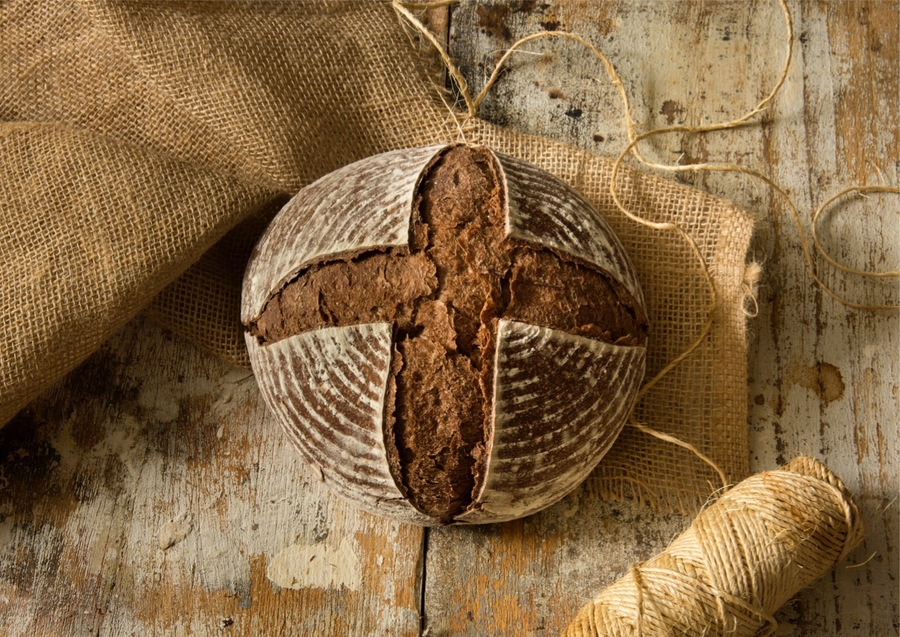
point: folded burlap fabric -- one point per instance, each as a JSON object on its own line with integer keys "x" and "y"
{"x": 144, "y": 145}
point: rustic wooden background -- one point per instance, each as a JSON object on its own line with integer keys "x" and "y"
{"x": 150, "y": 493}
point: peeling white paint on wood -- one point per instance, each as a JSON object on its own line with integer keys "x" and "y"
{"x": 119, "y": 484}
{"x": 174, "y": 531}
{"x": 317, "y": 566}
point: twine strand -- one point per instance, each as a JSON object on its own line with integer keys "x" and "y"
{"x": 859, "y": 190}
{"x": 630, "y": 125}
{"x": 749, "y": 285}
{"x": 403, "y": 8}
{"x": 650, "y": 431}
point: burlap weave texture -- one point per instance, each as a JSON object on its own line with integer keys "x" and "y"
{"x": 136, "y": 135}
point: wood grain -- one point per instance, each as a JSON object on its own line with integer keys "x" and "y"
{"x": 151, "y": 494}
{"x": 827, "y": 375}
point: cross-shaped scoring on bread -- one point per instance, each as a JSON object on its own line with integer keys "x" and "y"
{"x": 444, "y": 295}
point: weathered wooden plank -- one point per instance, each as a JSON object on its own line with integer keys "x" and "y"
{"x": 531, "y": 576}
{"x": 824, "y": 376}
{"x": 152, "y": 494}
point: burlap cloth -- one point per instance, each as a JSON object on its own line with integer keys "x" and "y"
{"x": 144, "y": 144}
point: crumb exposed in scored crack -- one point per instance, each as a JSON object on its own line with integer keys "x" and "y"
{"x": 443, "y": 398}
{"x": 444, "y": 296}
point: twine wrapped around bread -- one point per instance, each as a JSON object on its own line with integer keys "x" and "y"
{"x": 742, "y": 558}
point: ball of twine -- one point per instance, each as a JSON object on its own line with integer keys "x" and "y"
{"x": 742, "y": 558}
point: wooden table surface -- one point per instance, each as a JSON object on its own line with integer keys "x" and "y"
{"x": 151, "y": 494}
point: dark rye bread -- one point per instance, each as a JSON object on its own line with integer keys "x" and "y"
{"x": 444, "y": 295}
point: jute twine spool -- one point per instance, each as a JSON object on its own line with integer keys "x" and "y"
{"x": 742, "y": 558}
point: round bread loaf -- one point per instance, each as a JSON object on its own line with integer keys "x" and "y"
{"x": 451, "y": 335}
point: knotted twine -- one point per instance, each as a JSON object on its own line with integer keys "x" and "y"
{"x": 742, "y": 558}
